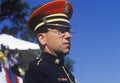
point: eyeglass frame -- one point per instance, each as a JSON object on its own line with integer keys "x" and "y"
{"x": 61, "y": 30}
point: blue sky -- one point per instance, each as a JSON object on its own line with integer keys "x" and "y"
{"x": 96, "y": 41}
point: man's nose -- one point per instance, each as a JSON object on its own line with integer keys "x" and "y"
{"x": 68, "y": 35}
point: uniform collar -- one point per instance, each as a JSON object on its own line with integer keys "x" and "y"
{"x": 52, "y": 59}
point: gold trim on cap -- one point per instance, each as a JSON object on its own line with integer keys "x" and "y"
{"x": 58, "y": 14}
{"x": 51, "y": 20}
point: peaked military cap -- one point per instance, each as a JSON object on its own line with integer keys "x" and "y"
{"x": 54, "y": 13}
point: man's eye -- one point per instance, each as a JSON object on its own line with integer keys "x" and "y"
{"x": 66, "y": 30}
{"x": 62, "y": 30}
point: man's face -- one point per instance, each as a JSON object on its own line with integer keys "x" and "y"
{"x": 58, "y": 41}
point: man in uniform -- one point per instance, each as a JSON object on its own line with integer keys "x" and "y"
{"x": 51, "y": 25}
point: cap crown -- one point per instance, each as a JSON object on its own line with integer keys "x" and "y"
{"x": 54, "y": 7}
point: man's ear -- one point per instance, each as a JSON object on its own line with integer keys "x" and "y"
{"x": 41, "y": 38}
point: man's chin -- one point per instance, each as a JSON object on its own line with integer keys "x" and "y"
{"x": 66, "y": 51}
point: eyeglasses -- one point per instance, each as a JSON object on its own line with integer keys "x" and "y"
{"x": 61, "y": 30}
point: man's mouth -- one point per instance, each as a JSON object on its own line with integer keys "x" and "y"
{"x": 67, "y": 44}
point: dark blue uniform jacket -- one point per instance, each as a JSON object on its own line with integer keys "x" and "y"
{"x": 48, "y": 69}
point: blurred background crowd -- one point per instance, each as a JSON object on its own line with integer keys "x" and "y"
{"x": 10, "y": 68}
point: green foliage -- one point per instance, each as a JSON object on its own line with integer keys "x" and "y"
{"x": 12, "y": 31}
{"x": 15, "y": 13}
{"x": 69, "y": 63}
{"x": 14, "y": 10}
